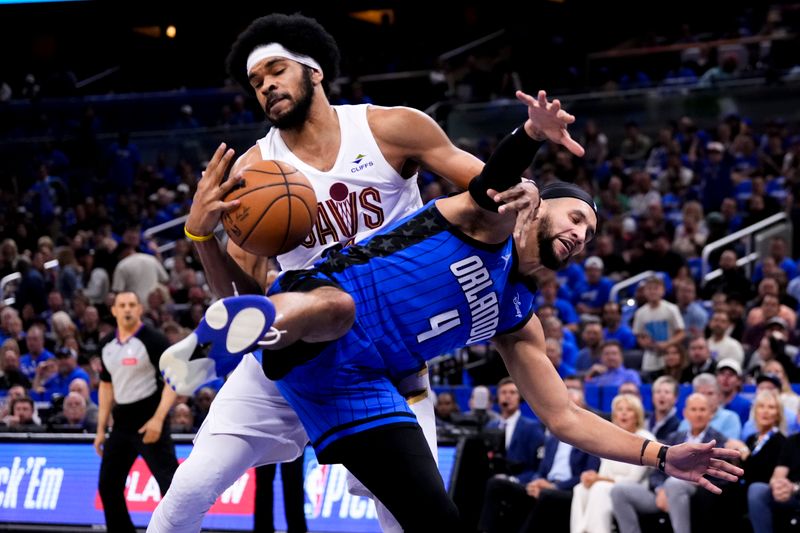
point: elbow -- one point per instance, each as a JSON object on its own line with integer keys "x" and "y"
{"x": 564, "y": 422}
{"x": 342, "y": 309}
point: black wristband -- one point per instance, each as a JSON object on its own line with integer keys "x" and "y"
{"x": 644, "y": 447}
{"x": 662, "y": 458}
{"x": 504, "y": 167}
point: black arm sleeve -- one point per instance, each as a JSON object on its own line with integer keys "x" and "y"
{"x": 504, "y": 167}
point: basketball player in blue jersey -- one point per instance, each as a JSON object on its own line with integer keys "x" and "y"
{"x": 362, "y": 162}
{"x": 369, "y": 316}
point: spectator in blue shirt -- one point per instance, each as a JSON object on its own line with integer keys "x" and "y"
{"x": 36, "y": 352}
{"x": 777, "y": 250}
{"x": 594, "y": 294}
{"x": 571, "y": 280}
{"x": 695, "y": 317}
{"x": 56, "y": 375}
{"x": 615, "y": 329}
{"x": 592, "y": 337}
{"x": 610, "y": 371}
{"x": 729, "y": 377}
{"x": 548, "y": 294}
{"x": 723, "y": 420}
{"x": 554, "y": 352}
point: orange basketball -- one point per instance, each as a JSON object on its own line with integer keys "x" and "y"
{"x": 277, "y": 211}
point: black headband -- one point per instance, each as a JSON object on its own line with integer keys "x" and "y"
{"x": 562, "y": 189}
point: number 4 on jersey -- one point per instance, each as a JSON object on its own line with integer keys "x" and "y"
{"x": 439, "y": 324}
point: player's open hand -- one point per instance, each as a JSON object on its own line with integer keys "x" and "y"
{"x": 522, "y": 199}
{"x": 207, "y": 204}
{"x": 547, "y": 121}
{"x": 692, "y": 461}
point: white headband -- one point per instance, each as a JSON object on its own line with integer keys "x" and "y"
{"x": 277, "y": 50}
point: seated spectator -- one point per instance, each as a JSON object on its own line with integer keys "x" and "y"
{"x": 182, "y": 419}
{"x": 547, "y": 295}
{"x": 778, "y": 252}
{"x": 691, "y": 234}
{"x": 780, "y": 495}
{"x": 675, "y": 363}
{"x": 761, "y": 451}
{"x": 90, "y": 332}
{"x": 592, "y": 337}
{"x": 773, "y": 347}
{"x": 16, "y": 333}
{"x": 593, "y": 295}
{"x": 614, "y": 264}
{"x": 21, "y": 416}
{"x": 657, "y": 324}
{"x": 81, "y": 387}
{"x": 761, "y": 317}
{"x": 444, "y": 409}
{"x": 774, "y": 283}
{"x": 571, "y": 280}
{"x": 202, "y": 403}
{"x": 630, "y": 387}
{"x": 694, "y": 314}
{"x": 73, "y": 414}
{"x": 591, "y": 499}
{"x": 665, "y": 418}
{"x": 667, "y": 494}
{"x": 56, "y": 375}
{"x": 10, "y": 372}
{"x": 789, "y": 398}
{"x": 729, "y": 378}
{"x": 658, "y": 256}
{"x": 770, "y": 383}
{"x": 611, "y": 371}
{"x": 523, "y": 436}
{"x": 700, "y": 361}
{"x": 37, "y": 354}
{"x": 732, "y": 280}
{"x": 720, "y": 343}
{"x": 725, "y": 421}
{"x": 554, "y": 329}
{"x": 545, "y": 499}
{"x": 615, "y": 329}
{"x": 554, "y": 352}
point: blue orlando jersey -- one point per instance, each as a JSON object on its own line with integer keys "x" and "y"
{"x": 421, "y": 288}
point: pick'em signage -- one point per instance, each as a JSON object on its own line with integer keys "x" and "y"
{"x": 56, "y": 483}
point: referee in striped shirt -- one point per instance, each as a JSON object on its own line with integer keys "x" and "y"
{"x": 132, "y": 384}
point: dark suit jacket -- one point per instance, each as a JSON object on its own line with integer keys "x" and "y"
{"x": 579, "y": 461}
{"x": 521, "y": 454}
{"x": 679, "y": 437}
{"x": 666, "y": 429}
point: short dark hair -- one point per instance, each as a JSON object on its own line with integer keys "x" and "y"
{"x": 611, "y": 342}
{"x": 126, "y": 292}
{"x": 15, "y": 401}
{"x": 298, "y": 33}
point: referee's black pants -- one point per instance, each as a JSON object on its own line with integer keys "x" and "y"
{"x": 294, "y": 497}
{"x": 119, "y": 452}
{"x": 396, "y": 465}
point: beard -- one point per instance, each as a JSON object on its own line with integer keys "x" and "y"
{"x": 547, "y": 253}
{"x": 298, "y": 113}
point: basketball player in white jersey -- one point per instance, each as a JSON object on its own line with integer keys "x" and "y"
{"x": 362, "y": 162}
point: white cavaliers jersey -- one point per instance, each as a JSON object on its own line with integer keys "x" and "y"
{"x": 355, "y": 198}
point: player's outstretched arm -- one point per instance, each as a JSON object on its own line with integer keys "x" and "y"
{"x": 408, "y": 135}
{"x": 540, "y": 385}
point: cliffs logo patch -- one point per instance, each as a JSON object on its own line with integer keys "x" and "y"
{"x": 360, "y": 163}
